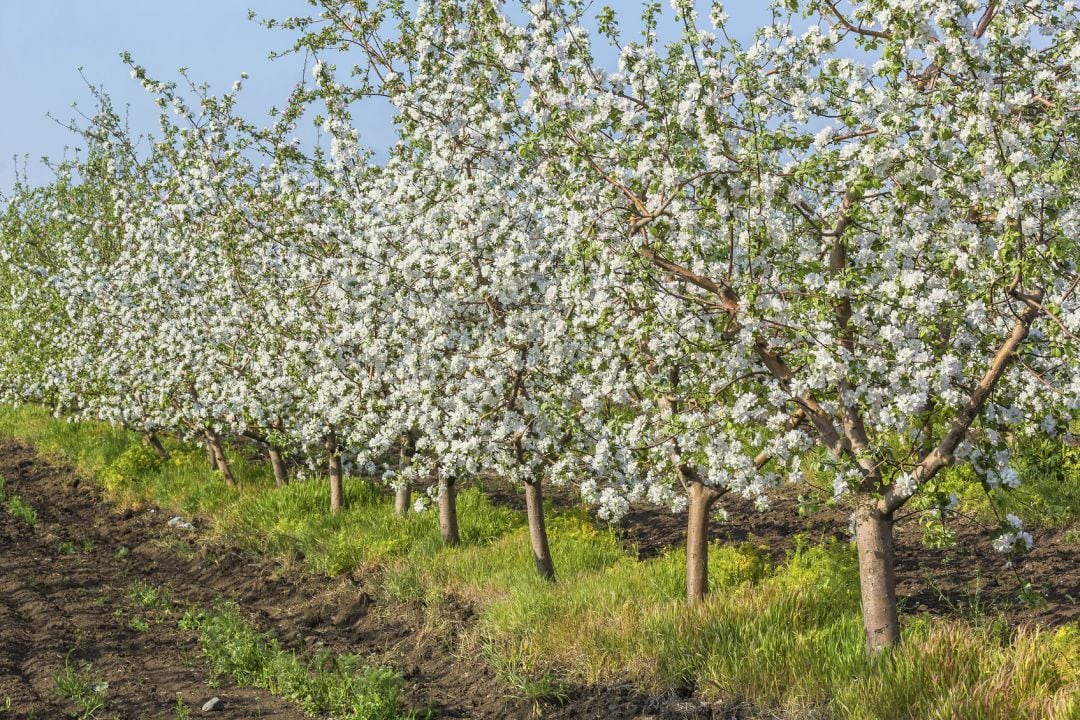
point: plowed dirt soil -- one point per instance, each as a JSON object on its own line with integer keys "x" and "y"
{"x": 67, "y": 600}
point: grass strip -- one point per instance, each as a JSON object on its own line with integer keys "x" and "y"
{"x": 341, "y": 686}
{"x": 785, "y": 638}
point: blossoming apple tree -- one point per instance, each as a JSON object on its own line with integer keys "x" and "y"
{"x": 865, "y": 217}
{"x": 888, "y": 234}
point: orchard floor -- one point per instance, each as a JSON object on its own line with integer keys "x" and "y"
{"x": 66, "y": 599}
{"x": 964, "y": 578}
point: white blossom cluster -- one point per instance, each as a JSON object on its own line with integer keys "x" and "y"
{"x": 699, "y": 263}
{"x": 1012, "y": 537}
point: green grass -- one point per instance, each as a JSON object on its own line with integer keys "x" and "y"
{"x": 151, "y": 597}
{"x": 338, "y": 685}
{"x": 783, "y": 637}
{"x": 82, "y": 686}
{"x": 18, "y": 508}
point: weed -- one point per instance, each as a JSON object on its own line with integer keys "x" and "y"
{"x": 80, "y": 685}
{"x": 935, "y": 533}
{"x": 146, "y": 595}
{"x": 183, "y": 712}
{"x": 66, "y": 548}
{"x": 139, "y": 625}
{"x": 338, "y": 685}
{"x": 125, "y": 476}
{"x": 809, "y": 504}
{"x": 188, "y": 658}
{"x": 1030, "y": 596}
{"x": 19, "y": 509}
{"x": 176, "y": 546}
{"x": 537, "y": 688}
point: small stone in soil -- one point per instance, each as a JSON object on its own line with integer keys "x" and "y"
{"x": 213, "y": 704}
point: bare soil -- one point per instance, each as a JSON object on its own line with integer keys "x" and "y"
{"x": 65, "y": 600}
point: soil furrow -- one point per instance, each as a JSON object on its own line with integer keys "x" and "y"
{"x": 63, "y": 605}
{"x": 66, "y": 587}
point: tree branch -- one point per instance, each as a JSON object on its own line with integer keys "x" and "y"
{"x": 942, "y": 455}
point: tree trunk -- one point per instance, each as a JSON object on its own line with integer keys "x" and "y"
{"x": 214, "y": 443}
{"x": 534, "y": 508}
{"x": 448, "y": 512}
{"x": 403, "y": 492}
{"x": 281, "y": 475}
{"x": 155, "y": 443}
{"x": 877, "y": 580}
{"x": 402, "y": 498}
{"x": 702, "y": 499}
{"x": 211, "y": 459}
{"x": 335, "y": 473}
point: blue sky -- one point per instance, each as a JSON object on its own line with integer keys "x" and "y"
{"x": 43, "y": 43}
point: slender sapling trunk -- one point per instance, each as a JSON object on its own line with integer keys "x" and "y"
{"x": 403, "y": 491}
{"x": 155, "y": 443}
{"x": 335, "y": 473}
{"x": 402, "y": 498}
{"x": 702, "y": 499}
{"x": 448, "y": 523}
{"x": 534, "y": 508}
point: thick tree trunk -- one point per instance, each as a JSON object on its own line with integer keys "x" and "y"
{"x": 335, "y": 473}
{"x": 877, "y": 580}
{"x": 281, "y": 475}
{"x": 155, "y": 443}
{"x": 221, "y": 464}
{"x": 448, "y": 512}
{"x": 210, "y": 457}
{"x": 702, "y": 499}
{"x": 534, "y": 508}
